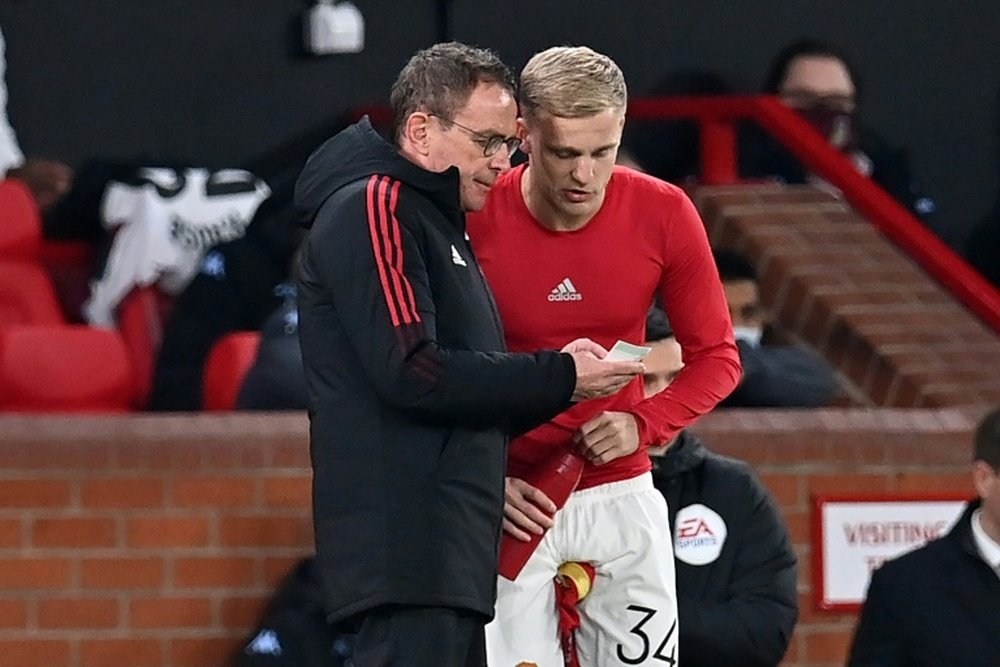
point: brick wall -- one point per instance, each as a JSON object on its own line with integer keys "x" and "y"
{"x": 832, "y": 281}
{"x": 145, "y": 541}
{"x": 154, "y": 541}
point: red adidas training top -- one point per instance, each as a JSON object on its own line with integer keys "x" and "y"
{"x": 598, "y": 282}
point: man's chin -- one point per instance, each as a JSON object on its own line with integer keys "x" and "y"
{"x": 473, "y": 204}
{"x": 579, "y": 209}
{"x": 475, "y": 199}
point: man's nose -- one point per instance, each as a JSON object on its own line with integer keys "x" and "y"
{"x": 500, "y": 160}
{"x": 583, "y": 170}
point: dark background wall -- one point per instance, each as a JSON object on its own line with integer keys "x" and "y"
{"x": 221, "y": 81}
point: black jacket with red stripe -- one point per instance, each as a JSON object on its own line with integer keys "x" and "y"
{"x": 411, "y": 392}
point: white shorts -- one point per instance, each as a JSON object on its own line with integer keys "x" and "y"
{"x": 630, "y": 616}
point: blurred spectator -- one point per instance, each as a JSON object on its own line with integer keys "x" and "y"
{"x": 940, "y": 604}
{"x": 276, "y": 381}
{"x": 736, "y": 570}
{"x": 819, "y": 82}
{"x": 48, "y": 180}
{"x": 665, "y": 359}
{"x": 777, "y": 376}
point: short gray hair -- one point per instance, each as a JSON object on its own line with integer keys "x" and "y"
{"x": 440, "y": 79}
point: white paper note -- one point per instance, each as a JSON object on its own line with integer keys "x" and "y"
{"x": 623, "y": 351}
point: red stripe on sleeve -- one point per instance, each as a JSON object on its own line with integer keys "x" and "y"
{"x": 409, "y": 302}
{"x": 374, "y": 231}
{"x": 391, "y": 249}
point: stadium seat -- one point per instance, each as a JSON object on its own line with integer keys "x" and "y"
{"x": 63, "y": 369}
{"x": 27, "y": 295}
{"x": 20, "y": 223}
{"x": 228, "y": 363}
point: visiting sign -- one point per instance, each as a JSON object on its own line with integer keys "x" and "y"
{"x": 854, "y": 535}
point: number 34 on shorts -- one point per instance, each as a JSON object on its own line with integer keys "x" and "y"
{"x": 645, "y": 648}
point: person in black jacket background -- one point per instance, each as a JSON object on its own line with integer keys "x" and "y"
{"x": 774, "y": 376}
{"x": 411, "y": 392}
{"x": 940, "y": 604}
{"x": 736, "y": 570}
{"x": 820, "y": 82}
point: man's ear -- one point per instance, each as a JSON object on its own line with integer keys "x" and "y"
{"x": 522, "y": 134}
{"x": 416, "y": 133}
{"x": 983, "y": 477}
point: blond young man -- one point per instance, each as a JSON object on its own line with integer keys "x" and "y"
{"x": 573, "y": 245}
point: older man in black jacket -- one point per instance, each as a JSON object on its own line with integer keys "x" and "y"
{"x": 411, "y": 392}
{"x": 940, "y": 604}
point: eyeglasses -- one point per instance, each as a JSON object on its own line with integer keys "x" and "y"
{"x": 490, "y": 143}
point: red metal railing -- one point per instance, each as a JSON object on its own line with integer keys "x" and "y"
{"x": 717, "y": 117}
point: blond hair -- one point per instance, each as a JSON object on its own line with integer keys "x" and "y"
{"x": 571, "y": 82}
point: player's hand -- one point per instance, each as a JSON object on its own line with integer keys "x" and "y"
{"x": 608, "y": 436}
{"x": 526, "y": 510}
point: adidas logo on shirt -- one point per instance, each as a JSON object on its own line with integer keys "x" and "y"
{"x": 456, "y": 258}
{"x": 565, "y": 291}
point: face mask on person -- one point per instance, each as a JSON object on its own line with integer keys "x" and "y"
{"x": 749, "y": 335}
{"x": 838, "y": 126}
